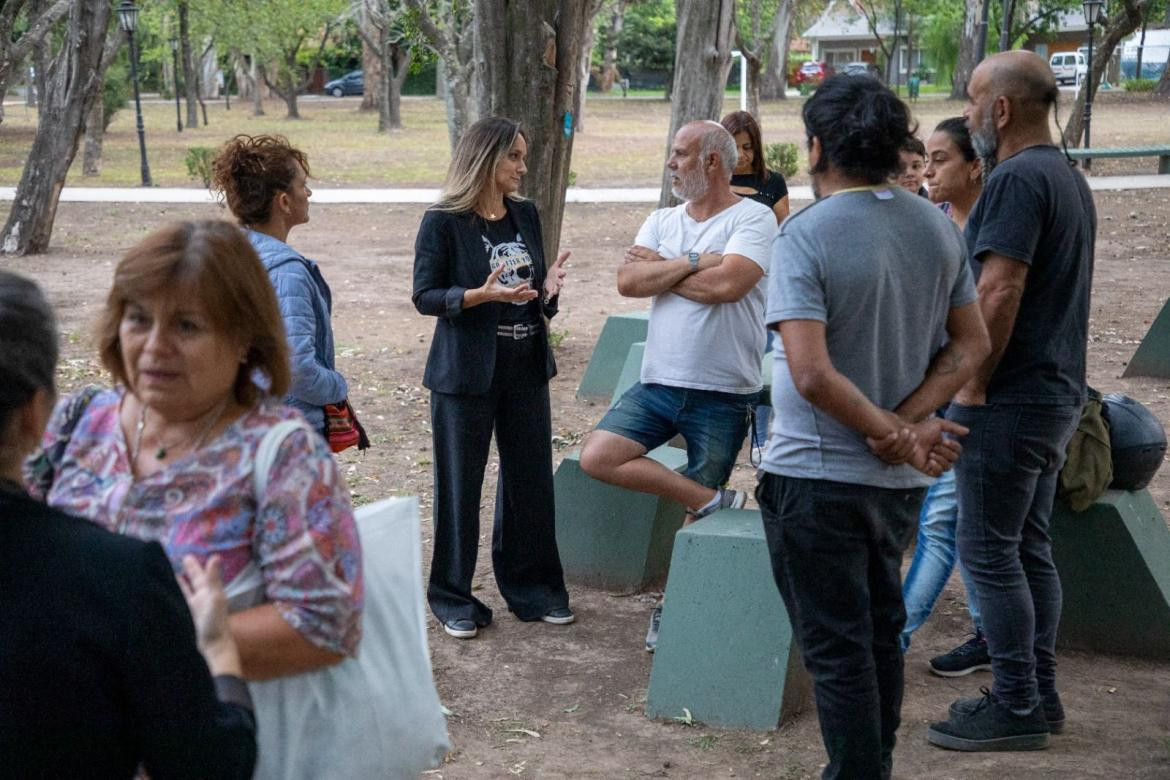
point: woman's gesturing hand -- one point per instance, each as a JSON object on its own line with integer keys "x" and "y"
{"x": 492, "y": 290}
{"x": 203, "y": 589}
{"x": 556, "y": 276}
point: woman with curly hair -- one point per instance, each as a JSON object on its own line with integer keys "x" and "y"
{"x": 265, "y": 183}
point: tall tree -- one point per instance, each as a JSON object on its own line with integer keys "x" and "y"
{"x": 968, "y": 47}
{"x": 702, "y": 61}
{"x": 527, "y": 48}
{"x": 447, "y": 27}
{"x": 774, "y": 85}
{"x": 71, "y": 81}
{"x": 592, "y": 8}
{"x": 187, "y": 61}
{"x": 756, "y": 25}
{"x": 1125, "y": 19}
{"x": 381, "y": 31}
{"x": 100, "y": 114}
{"x": 610, "y": 35}
{"x": 40, "y": 18}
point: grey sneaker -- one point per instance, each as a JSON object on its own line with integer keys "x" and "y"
{"x": 990, "y": 725}
{"x": 971, "y": 656}
{"x": 652, "y": 634}
{"x": 728, "y": 499}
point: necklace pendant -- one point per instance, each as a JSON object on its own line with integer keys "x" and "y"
{"x": 160, "y": 453}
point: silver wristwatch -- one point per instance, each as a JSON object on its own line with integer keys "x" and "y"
{"x": 693, "y": 257}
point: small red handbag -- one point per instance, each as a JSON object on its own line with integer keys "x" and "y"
{"x": 343, "y": 429}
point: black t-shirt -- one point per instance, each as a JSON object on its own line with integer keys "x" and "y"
{"x": 503, "y": 244}
{"x": 1036, "y": 209}
{"x": 769, "y": 192}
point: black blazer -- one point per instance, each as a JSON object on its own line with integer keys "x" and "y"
{"x": 449, "y": 259}
{"x": 98, "y": 665}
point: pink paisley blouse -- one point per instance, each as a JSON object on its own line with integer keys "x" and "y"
{"x": 301, "y": 531}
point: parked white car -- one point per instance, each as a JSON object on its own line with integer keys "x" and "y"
{"x": 1069, "y": 67}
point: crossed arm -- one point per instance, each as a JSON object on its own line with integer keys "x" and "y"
{"x": 718, "y": 279}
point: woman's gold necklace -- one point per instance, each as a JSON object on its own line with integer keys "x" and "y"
{"x": 161, "y": 453}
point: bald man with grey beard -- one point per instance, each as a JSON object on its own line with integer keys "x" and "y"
{"x": 1031, "y": 240}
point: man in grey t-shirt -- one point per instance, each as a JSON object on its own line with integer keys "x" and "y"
{"x": 863, "y": 286}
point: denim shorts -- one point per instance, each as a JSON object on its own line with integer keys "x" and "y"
{"x": 714, "y": 425}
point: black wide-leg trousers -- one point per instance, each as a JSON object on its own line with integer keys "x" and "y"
{"x": 524, "y": 548}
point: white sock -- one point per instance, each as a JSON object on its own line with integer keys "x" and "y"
{"x": 712, "y": 503}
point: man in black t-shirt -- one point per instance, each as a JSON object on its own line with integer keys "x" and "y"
{"x": 1030, "y": 237}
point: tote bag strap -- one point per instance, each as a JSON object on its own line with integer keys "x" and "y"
{"x": 266, "y": 455}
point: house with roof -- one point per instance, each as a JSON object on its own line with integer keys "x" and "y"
{"x": 842, "y": 34}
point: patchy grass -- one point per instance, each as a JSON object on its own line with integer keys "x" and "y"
{"x": 623, "y": 143}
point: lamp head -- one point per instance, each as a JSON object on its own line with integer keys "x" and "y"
{"x": 1093, "y": 9}
{"x": 128, "y": 16}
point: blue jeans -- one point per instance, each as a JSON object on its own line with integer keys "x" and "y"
{"x": 1007, "y": 480}
{"x": 934, "y": 559}
{"x": 836, "y": 553}
{"x": 713, "y": 424}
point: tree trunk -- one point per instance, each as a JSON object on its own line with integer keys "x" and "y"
{"x": 66, "y": 101}
{"x": 754, "y": 73}
{"x": 400, "y": 58}
{"x": 1123, "y": 22}
{"x": 452, "y": 38}
{"x": 592, "y": 8}
{"x": 701, "y": 62}
{"x": 526, "y": 48}
{"x": 254, "y": 79}
{"x": 371, "y": 75}
{"x": 91, "y": 161}
{"x": 1163, "y": 88}
{"x": 774, "y": 85}
{"x": 968, "y": 46}
{"x": 609, "y": 70}
{"x": 185, "y": 57}
{"x": 39, "y": 20}
{"x": 1142, "y": 43}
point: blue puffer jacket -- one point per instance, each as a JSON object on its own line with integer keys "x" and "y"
{"x": 305, "y": 305}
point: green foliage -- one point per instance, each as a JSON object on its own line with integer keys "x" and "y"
{"x": 781, "y": 157}
{"x": 1139, "y": 85}
{"x": 647, "y": 38}
{"x": 555, "y": 339}
{"x": 116, "y": 90}
{"x": 199, "y": 160}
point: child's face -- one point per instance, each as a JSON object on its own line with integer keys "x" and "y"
{"x": 913, "y": 165}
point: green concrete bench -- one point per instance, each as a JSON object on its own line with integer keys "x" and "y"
{"x": 609, "y": 354}
{"x": 1152, "y": 357}
{"x": 1161, "y": 152}
{"x": 612, "y": 538}
{"x": 1114, "y": 564}
{"x": 631, "y": 371}
{"x": 725, "y": 647}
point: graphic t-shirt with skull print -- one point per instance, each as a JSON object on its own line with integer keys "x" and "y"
{"x": 503, "y": 244}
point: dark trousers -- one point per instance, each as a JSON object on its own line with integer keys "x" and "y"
{"x": 836, "y": 552}
{"x": 1006, "y": 481}
{"x": 524, "y": 548}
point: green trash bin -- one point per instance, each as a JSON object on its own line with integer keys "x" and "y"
{"x": 915, "y": 83}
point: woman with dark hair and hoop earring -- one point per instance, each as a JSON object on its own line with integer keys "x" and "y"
{"x": 751, "y": 178}
{"x": 479, "y": 269}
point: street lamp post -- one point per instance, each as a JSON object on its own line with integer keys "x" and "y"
{"x": 1092, "y": 10}
{"x": 178, "y": 108}
{"x": 128, "y": 17}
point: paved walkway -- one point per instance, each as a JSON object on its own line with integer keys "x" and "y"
{"x": 391, "y": 195}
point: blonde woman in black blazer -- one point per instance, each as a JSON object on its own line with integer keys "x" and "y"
{"x": 479, "y": 268}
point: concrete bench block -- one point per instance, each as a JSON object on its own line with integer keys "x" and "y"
{"x": 631, "y": 371}
{"x": 609, "y": 354}
{"x": 725, "y": 647}
{"x": 611, "y": 538}
{"x": 1152, "y": 357}
{"x": 1114, "y": 564}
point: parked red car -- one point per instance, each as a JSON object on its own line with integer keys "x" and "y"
{"x": 813, "y": 73}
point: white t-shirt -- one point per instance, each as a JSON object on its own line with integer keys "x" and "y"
{"x": 708, "y": 346}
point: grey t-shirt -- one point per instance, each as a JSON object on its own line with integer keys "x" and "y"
{"x": 882, "y": 269}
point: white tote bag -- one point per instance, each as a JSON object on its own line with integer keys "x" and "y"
{"x": 374, "y": 716}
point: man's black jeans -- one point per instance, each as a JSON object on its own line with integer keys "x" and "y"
{"x": 1006, "y": 481}
{"x": 836, "y": 552}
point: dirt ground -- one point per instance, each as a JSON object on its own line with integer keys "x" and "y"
{"x": 582, "y": 688}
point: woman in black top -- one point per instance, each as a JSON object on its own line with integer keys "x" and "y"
{"x": 750, "y": 178}
{"x": 100, "y": 670}
{"x": 479, "y": 269}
